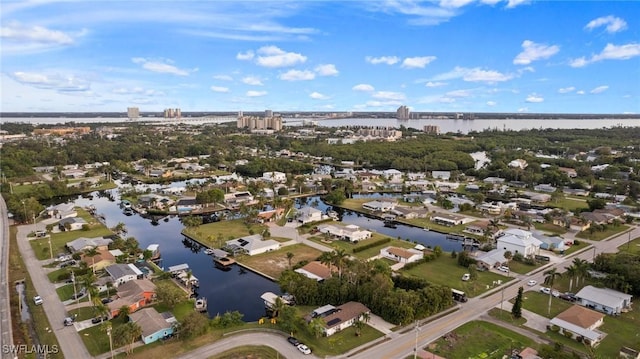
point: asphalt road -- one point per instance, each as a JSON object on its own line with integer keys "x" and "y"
{"x": 6, "y": 334}
{"x": 69, "y": 340}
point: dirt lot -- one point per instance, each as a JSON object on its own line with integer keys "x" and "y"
{"x": 274, "y": 263}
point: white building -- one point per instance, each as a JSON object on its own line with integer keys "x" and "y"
{"x": 274, "y": 176}
{"x": 351, "y": 232}
{"x": 343, "y": 317}
{"x": 308, "y": 215}
{"x": 519, "y": 241}
{"x": 581, "y": 324}
{"x": 122, "y": 273}
{"x": 401, "y": 255}
{"x": 252, "y": 245}
{"x": 379, "y": 206}
{"x": 518, "y": 163}
{"x": 604, "y": 300}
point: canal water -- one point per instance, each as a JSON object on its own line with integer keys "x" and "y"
{"x": 237, "y": 289}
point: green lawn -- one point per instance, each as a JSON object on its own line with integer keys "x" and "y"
{"x": 522, "y": 268}
{"x": 84, "y": 313}
{"x": 275, "y": 262}
{"x": 215, "y": 234}
{"x": 622, "y": 331}
{"x": 446, "y": 271}
{"x": 570, "y": 203}
{"x": 65, "y": 292}
{"x": 507, "y": 317}
{"x": 598, "y": 235}
{"x": 367, "y": 253}
{"x": 179, "y": 311}
{"x": 539, "y": 303}
{"x": 550, "y": 228}
{"x": 479, "y": 339}
{"x": 249, "y": 351}
{"x": 95, "y": 338}
{"x": 59, "y": 240}
{"x": 632, "y": 247}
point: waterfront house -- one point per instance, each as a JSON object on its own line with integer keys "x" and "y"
{"x": 154, "y": 325}
{"x": 492, "y": 259}
{"x": 235, "y": 199}
{"x": 447, "y": 219}
{"x": 71, "y": 224}
{"x": 274, "y": 177}
{"x": 270, "y": 216}
{"x": 122, "y": 273}
{"x": 410, "y": 212}
{"x": 187, "y": 204}
{"x": 581, "y": 324}
{"x": 519, "y": 241}
{"x": 83, "y": 243}
{"x": 62, "y": 210}
{"x": 102, "y": 259}
{"x": 401, "y": 255}
{"x": 252, "y": 245}
{"x": 315, "y": 270}
{"x": 351, "y": 232}
{"x": 443, "y": 175}
{"x": 379, "y": 206}
{"x": 308, "y": 214}
{"x": 605, "y": 300}
{"x": 544, "y": 188}
{"x": 134, "y": 294}
{"x": 343, "y": 317}
{"x": 482, "y": 228}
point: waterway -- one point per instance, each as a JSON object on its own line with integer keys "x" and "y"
{"x": 237, "y": 289}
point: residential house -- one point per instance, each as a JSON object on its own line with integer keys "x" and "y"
{"x": 193, "y": 167}
{"x": 252, "y": 245}
{"x": 102, "y": 259}
{"x": 154, "y": 325}
{"x": 270, "y": 216}
{"x": 392, "y": 175}
{"x": 492, "y": 259}
{"x": 71, "y": 224}
{"x": 490, "y": 208}
{"x": 576, "y": 192}
{"x": 343, "y": 317}
{"x": 447, "y": 219}
{"x": 160, "y": 173}
{"x": 83, "y": 243}
{"x": 518, "y": 163}
{"x": 544, "y": 188}
{"x": 134, "y": 294}
{"x": 61, "y": 211}
{"x": 235, "y": 199}
{"x": 570, "y": 172}
{"x": 315, "y": 270}
{"x": 493, "y": 180}
{"x": 443, "y": 175}
{"x": 401, "y": 255}
{"x": 580, "y": 324}
{"x": 537, "y": 197}
{"x": 73, "y": 173}
{"x": 604, "y": 300}
{"x": 551, "y": 243}
{"x": 154, "y": 201}
{"x": 187, "y": 204}
{"x": 309, "y": 214}
{"x": 379, "y": 206}
{"x": 410, "y": 212}
{"x": 351, "y": 232}
{"x": 122, "y": 273}
{"x": 519, "y": 241}
{"x": 274, "y": 177}
{"x": 482, "y": 228}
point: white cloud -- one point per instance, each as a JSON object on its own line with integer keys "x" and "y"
{"x": 566, "y": 89}
{"x": 58, "y": 82}
{"x": 19, "y": 38}
{"x": 136, "y": 91}
{"x": 223, "y": 77}
{"x": 513, "y": 3}
{"x": 417, "y": 62}
{"x": 533, "y": 98}
{"x": 610, "y": 52}
{"x": 326, "y": 70}
{"x": 161, "y": 67}
{"x": 388, "y": 60}
{"x": 245, "y": 56}
{"x": 389, "y": 95}
{"x": 475, "y": 74}
{"x": 599, "y": 89}
{"x": 256, "y": 93}
{"x": 383, "y": 103}
{"x": 318, "y": 96}
{"x": 273, "y": 56}
{"x": 580, "y": 92}
{"x": 523, "y": 109}
{"x": 363, "y": 88}
{"x": 611, "y": 23}
{"x": 491, "y": 103}
{"x": 252, "y": 80}
{"x": 532, "y": 52}
{"x": 435, "y": 84}
{"x": 219, "y": 89}
{"x": 297, "y": 75}
{"x": 458, "y": 93}
{"x": 455, "y": 3}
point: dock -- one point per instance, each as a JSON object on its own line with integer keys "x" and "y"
{"x": 201, "y": 304}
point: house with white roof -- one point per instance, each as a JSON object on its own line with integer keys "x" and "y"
{"x": 308, "y": 214}
{"x": 401, "y": 255}
{"x": 62, "y": 210}
{"x": 580, "y": 324}
{"x": 351, "y": 232}
{"x": 379, "y": 206}
{"x": 518, "y": 163}
{"x": 605, "y": 300}
{"x": 252, "y": 245}
{"x": 443, "y": 175}
{"x": 71, "y": 224}
{"x": 519, "y": 241}
{"x": 274, "y": 177}
{"x": 392, "y": 175}
{"x": 83, "y": 243}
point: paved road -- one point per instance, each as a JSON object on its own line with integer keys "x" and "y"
{"x": 275, "y": 341}
{"x": 70, "y": 343}
{"x": 6, "y": 334}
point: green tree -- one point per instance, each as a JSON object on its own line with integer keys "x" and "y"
{"x": 127, "y": 334}
{"x": 516, "y": 309}
{"x": 289, "y": 258}
{"x": 169, "y": 294}
{"x": 549, "y": 279}
{"x": 193, "y": 325}
{"x": 316, "y": 327}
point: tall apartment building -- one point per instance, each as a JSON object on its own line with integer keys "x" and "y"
{"x": 403, "y": 113}
{"x": 260, "y": 124}
{"x": 133, "y": 113}
{"x": 386, "y": 133}
{"x": 268, "y": 113}
{"x": 431, "y": 129}
{"x": 172, "y": 113}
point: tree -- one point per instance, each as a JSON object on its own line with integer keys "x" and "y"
{"x": 326, "y": 258}
{"x": 289, "y": 258}
{"x": 91, "y": 253}
{"x": 549, "y": 278}
{"x": 358, "y": 324}
{"x": 124, "y": 312}
{"x": 193, "y": 325}
{"x": 127, "y": 334}
{"x": 316, "y": 326}
{"x": 582, "y": 267}
{"x": 336, "y": 197}
{"x": 572, "y": 272}
{"x": 516, "y": 309}
{"x": 339, "y": 258}
{"x": 169, "y": 294}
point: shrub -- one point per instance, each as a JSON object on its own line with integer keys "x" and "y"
{"x": 371, "y": 245}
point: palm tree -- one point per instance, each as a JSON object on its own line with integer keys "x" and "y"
{"x": 326, "y": 258}
{"x": 572, "y": 272}
{"x": 358, "y": 324}
{"x": 582, "y": 266}
{"x": 289, "y": 258}
{"x": 124, "y": 312}
{"x": 339, "y": 258}
{"x": 109, "y": 286}
{"x": 549, "y": 279}
{"x": 92, "y": 252}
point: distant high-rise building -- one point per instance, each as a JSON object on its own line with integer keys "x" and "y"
{"x": 133, "y": 113}
{"x": 268, "y": 113}
{"x": 403, "y": 113}
{"x": 240, "y": 114}
{"x": 260, "y": 124}
{"x": 432, "y": 129}
{"x": 172, "y": 113}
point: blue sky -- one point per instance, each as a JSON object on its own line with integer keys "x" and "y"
{"x": 449, "y": 55}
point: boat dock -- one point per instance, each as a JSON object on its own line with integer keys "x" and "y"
{"x": 201, "y": 304}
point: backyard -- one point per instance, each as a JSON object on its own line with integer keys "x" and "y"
{"x": 275, "y": 262}
{"x": 217, "y": 233}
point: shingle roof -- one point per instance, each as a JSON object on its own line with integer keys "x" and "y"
{"x": 345, "y": 312}
{"x": 603, "y": 296}
{"x": 150, "y": 321}
{"x": 580, "y": 316}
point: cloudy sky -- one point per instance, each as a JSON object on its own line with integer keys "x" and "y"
{"x": 448, "y": 55}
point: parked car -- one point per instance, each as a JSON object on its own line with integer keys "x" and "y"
{"x": 106, "y": 300}
{"x": 293, "y": 341}
{"x": 545, "y": 290}
{"x": 555, "y": 293}
{"x": 304, "y": 349}
{"x": 37, "y": 300}
{"x": 68, "y": 321}
{"x": 97, "y": 320}
{"x": 466, "y": 277}
{"x": 503, "y": 269}
{"x": 531, "y": 283}
{"x": 568, "y": 297}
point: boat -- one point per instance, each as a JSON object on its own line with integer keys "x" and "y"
{"x": 333, "y": 215}
{"x": 390, "y": 224}
{"x": 201, "y": 304}
{"x": 128, "y": 211}
{"x": 425, "y": 229}
{"x": 209, "y": 251}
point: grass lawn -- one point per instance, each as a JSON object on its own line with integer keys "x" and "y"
{"x": 632, "y": 247}
{"x": 59, "y": 240}
{"x": 570, "y": 203}
{"x": 216, "y": 233}
{"x": 367, "y": 253}
{"x": 84, "y": 313}
{"x": 505, "y": 316}
{"x": 275, "y": 262}
{"x": 249, "y": 351}
{"x": 479, "y": 339}
{"x": 539, "y": 303}
{"x": 523, "y": 268}
{"x": 622, "y": 330}
{"x": 95, "y": 338}
{"x": 446, "y": 271}
{"x": 550, "y": 228}
{"x": 598, "y": 236}
{"x": 575, "y": 247}
{"x": 179, "y": 311}
{"x": 65, "y": 292}
{"x": 53, "y": 276}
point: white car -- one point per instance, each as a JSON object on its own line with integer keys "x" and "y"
{"x": 545, "y": 290}
{"x": 503, "y": 269}
{"x": 531, "y": 283}
{"x": 555, "y": 293}
{"x": 304, "y": 349}
{"x": 38, "y": 300}
{"x": 466, "y": 277}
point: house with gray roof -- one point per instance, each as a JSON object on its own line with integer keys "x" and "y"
{"x": 71, "y": 223}
{"x": 83, "y": 243}
{"x": 605, "y": 300}
{"x": 154, "y": 325}
{"x": 122, "y": 273}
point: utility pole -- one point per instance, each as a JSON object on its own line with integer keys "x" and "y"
{"x": 73, "y": 279}
{"x": 415, "y": 349}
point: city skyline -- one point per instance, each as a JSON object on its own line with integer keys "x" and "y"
{"x": 447, "y": 56}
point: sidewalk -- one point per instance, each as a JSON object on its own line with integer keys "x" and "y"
{"x": 534, "y": 321}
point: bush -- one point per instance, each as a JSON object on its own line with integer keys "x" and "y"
{"x": 576, "y": 242}
{"x": 372, "y": 244}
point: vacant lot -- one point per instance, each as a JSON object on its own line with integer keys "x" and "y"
{"x": 597, "y": 235}
{"x": 217, "y": 233}
{"x": 276, "y": 262}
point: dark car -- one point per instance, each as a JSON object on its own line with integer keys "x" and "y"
{"x": 97, "y": 320}
{"x": 568, "y": 297}
{"x": 106, "y": 300}
{"x": 293, "y": 341}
